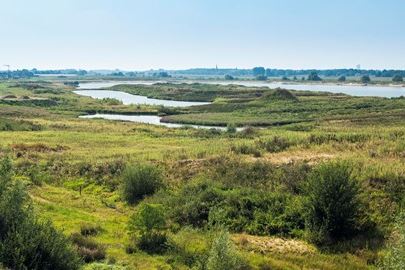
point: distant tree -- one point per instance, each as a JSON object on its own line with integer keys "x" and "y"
{"x": 295, "y": 78}
{"x": 397, "y": 78}
{"x": 313, "y": 76}
{"x": 285, "y": 78}
{"x": 269, "y": 72}
{"x": 342, "y": 79}
{"x": 259, "y": 71}
{"x": 117, "y": 74}
{"x": 229, "y": 77}
{"x": 81, "y": 72}
{"x": 162, "y": 74}
{"x": 365, "y": 79}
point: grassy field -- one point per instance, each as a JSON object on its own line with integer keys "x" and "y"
{"x": 74, "y": 167}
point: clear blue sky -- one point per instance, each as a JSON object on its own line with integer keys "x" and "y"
{"x": 175, "y": 34}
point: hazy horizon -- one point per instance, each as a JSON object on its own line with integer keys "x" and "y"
{"x": 180, "y": 34}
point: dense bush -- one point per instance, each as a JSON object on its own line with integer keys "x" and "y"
{"x": 204, "y": 202}
{"x": 192, "y": 204}
{"x": 258, "y": 212}
{"x": 140, "y": 181}
{"x": 333, "y": 208}
{"x": 147, "y": 226}
{"x": 26, "y": 242}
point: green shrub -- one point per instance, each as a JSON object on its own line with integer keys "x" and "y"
{"x": 333, "y": 203}
{"x": 394, "y": 259}
{"x": 26, "y": 242}
{"x": 148, "y": 223}
{"x": 275, "y": 145}
{"x": 231, "y": 128}
{"x": 201, "y": 203}
{"x": 245, "y": 149}
{"x": 259, "y": 213}
{"x": 153, "y": 242}
{"x": 192, "y": 204}
{"x": 140, "y": 181}
{"x": 223, "y": 255}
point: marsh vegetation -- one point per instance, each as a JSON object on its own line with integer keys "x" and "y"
{"x": 315, "y": 182}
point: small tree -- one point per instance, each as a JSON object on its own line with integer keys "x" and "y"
{"x": 365, "y": 79}
{"x": 313, "y": 76}
{"x": 148, "y": 223}
{"x": 259, "y": 71}
{"x": 333, "y": 204}
{"x": 140, "y": 181}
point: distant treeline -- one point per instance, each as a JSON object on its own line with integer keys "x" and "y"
{"x": 261, "y": 71}
{"x": 16, "y": 74}
{"x": 79, "y": 72}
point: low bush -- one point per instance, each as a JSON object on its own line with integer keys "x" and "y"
{"x": 88, "y": 249}
{"x": 245, "y": 149}
{"x": 153, "y": 242}
{"x": 275, "y": 145}
{"x": 223, "y": 255}
{"x": 140, "y": 181}
{"x": 89, "y": 229}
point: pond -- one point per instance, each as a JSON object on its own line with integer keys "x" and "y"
{"x": 147, "y": 119}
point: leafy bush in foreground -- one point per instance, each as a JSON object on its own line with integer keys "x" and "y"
{"x": 333, "y": 208}
{"x": 140, "y": 181}
{"x": 25, "y": 242}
